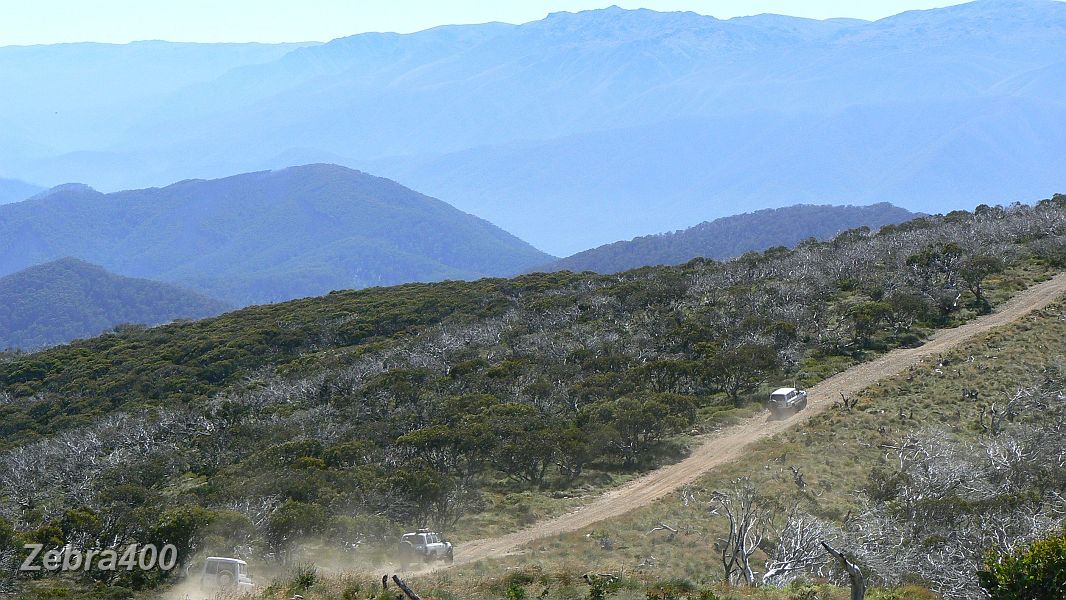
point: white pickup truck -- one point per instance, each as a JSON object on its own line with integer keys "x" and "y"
{"x": 226, "y": 574}
{"x": 786, "y": 401}
{"x": 424, "y": 546}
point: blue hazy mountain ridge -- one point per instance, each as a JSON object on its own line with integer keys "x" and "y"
{"x": 678, "y": 117}
{"x": 13, "y": 190}
{"x": 81, "y": 96}
{"x": 68, "y": 299}
{"x": 264, "y": 236}
{"x": 605, "y": 185}
{"x": 732, "y": 236}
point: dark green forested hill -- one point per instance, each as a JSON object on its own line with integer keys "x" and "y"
{"x": 263, "y": 237}
{"x": 732, "y": 236}
{"x": 68, "y": 299}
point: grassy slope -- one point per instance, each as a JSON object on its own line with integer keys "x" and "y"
{"x": 835, "y": 452}
{"x": 507, "y": 511}
{"x": 832, "y": 475}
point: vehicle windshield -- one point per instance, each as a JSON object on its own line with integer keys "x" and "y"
{"x": 242, "y": 569}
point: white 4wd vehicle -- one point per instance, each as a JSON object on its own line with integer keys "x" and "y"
{"x": 424, "y": 546}
{"x": 225, "y": 574}
{"x": 785, "y": 402}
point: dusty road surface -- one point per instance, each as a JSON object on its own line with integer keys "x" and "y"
{"x": 731, "y": 443}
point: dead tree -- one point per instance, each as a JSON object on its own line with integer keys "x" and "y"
{"x": 664, "y": 527}
{"x": 797, "y": 550}
{"x": 858, "y": 581}
{"x": 747, "y": 527}
{"x": 688, "y": 495}
{"x": 1008, "y": 413}
{"x": 406, "y": 590}
{"x": 999, "y": 492}
{"x": 848, "y": 403}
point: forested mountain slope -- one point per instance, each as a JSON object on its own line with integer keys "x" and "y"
{"x": 67, "y": 299}
{"x": 263, "y": 237}
{"x": 352, "y": 416}
{"x": 732, "y": 236}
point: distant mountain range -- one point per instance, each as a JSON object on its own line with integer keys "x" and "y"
{"x": 580, "y": 129}
{"x": 75, "y": 98}
{"x": 265, "y": 236}
{"x": 68, "y": 299}
{"x": 13, "y": 190}
{"x": 732, "y": 236}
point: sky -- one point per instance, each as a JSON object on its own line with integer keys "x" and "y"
{"x": 121, "y": 21}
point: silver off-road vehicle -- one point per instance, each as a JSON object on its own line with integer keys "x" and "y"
{"x": 424, "y": 546}
{"x": 228, "y": 574}
{"x": 786, "y": 401}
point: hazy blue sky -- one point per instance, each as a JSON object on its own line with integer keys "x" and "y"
{"x": 51, "y": 21}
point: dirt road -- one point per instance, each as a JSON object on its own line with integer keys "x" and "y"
{"x": 731, "y": 443}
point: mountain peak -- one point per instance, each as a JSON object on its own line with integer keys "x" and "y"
{"x": 268, "y": 235}
{"x": 314, "y": 171}
{"x": 620, "y": 24}
{"x": 67, "y": 188}
{"x": 70, "y": 262}
{"x": 319, "y": 169}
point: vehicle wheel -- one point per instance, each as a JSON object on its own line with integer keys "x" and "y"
{"x": 450, "y": 557}
{"x": 226, "y": 580}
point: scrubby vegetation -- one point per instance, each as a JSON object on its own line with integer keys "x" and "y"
{"x": 332, "y": 423}
{"x": 1032, "y": 573}
{"x": 936, "y": 482}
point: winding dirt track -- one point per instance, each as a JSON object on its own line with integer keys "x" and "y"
{"x": 731, "y": 443}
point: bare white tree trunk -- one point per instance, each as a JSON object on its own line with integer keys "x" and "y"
{"x": 747, "y": 526}
{"x": 858, "y": 580}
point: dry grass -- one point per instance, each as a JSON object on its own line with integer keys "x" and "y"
{"x": 834, "y": 451}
